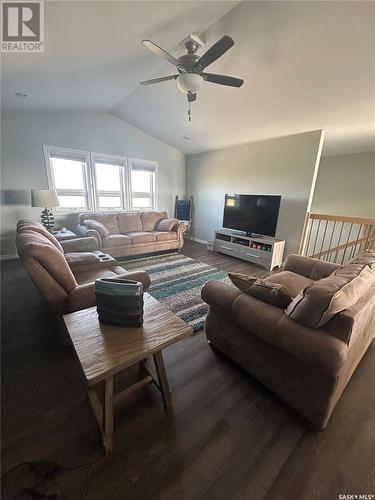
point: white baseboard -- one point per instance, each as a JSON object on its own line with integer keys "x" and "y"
{"x": 204, "y": 242}
{"x": 10, "y": 256}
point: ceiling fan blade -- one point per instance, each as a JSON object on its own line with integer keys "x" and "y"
{"x": 158, "y": 80}
{"x": 161, "y": 52}
{"x": 217, "y": 50}
{"x": 231, "y": 81}
{"x": 192, "y": 97}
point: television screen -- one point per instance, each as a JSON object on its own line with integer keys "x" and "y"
{"x": 252, "y": 213}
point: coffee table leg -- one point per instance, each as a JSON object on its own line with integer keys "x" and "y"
{"x": 163, "y": 381}
{"x": 142, "y": 365}
{"x": 108, "y": 414}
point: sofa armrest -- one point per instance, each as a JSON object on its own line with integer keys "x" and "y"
{"x": 310, "y": 268}
{"x": 88, "y": 231}
{"x": 180, "y": 229}
{"x": 140, "y": 275}
{"x": 220, "y": 295}
{"x": 83, "y": 296}
{"x": 88, "y": 244}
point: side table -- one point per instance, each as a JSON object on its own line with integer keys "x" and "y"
{"x": 66, "y": 235}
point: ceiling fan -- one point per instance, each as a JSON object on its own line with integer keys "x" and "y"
{"x": 191, "y": 66}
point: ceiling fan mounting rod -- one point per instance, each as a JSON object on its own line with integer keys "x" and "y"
{"x": 191, "y": 46}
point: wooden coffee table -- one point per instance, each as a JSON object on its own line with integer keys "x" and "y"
{"x": 105, "y": 350}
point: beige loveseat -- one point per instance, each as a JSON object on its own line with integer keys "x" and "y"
{"x": 132, "y": 233}
{"x": 308, "y": 352}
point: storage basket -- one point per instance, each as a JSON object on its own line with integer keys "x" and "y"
{"x": 119, "y": 301}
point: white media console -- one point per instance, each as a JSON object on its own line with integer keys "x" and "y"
{"x": 262, "y": 250}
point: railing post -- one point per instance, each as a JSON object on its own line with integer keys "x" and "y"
{"x": 302, "y": 244}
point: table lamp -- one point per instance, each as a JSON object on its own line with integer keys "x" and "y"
{"x": 46, "y": 198}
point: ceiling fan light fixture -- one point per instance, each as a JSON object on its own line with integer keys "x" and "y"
{"x": 190, "y": 82}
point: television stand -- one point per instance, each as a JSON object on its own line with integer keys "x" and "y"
{"x": 262, "y": 250}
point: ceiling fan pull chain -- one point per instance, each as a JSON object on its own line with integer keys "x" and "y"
{"x": 189, "y": 112}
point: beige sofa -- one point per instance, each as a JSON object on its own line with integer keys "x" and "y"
{"x": 65, "y": 272}
{"x": 132, "y": 233}
{"x": 302, "y": 353}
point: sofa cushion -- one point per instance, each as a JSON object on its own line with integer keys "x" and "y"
{"x": 80, "y": 259}
{"x": 108, "y": 219}
{"x": 272, "y": 293}
{"x": 116, "y": 240}
{"x": 151, "y": 219}
{"x": 323, "y": 299}
{"x": 98, "y": 226}
{"x": 129, "y": 222}
{"x": 142, "y": 237}
{"x": 295, "y": 283}
{"x": 166, "y": 224}
{"x": 165, "y": 236}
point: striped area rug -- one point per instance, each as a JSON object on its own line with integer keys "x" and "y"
{"x": 176, "y": 281}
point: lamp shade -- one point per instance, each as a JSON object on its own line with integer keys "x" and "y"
{"x": 189, "y": 82}
{"x": 44, "y": 198}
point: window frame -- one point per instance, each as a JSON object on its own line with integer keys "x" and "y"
{"x": 91, "y": 192}
{"x": 69, "y": 154}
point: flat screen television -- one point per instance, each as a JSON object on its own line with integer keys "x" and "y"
{"x": 252, "y": 213}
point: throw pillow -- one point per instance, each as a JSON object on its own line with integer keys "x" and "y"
{"x": 323, "y": 299}
{"x": 151, "y": 219}
{"x": 166, "y": 225}
{"x": 98, "y": 226}
{"x": 272, "y": 293}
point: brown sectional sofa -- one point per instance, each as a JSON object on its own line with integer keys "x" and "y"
{"x": 65, "y": 272}
{"x": 132, "y": 233}
{"x": 307, "y": 366}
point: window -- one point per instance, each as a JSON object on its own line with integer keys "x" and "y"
{"x": 109, "y": 182}
{"x": 90, "y": 181}
{"x": 142, "y": 175}
{"x": 68, "y": 175}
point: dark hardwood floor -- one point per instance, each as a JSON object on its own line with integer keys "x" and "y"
{"x": 228, "y": 437}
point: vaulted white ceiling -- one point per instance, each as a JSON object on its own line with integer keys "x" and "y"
{"x": 307, "y": 65}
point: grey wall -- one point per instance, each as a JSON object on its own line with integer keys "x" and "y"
{"x": 23, "y": 168}
{"x": 283, "y": 166}
{"x": 346, "y": 185}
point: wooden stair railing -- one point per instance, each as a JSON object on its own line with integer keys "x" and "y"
{"x": 336, "y": 238}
